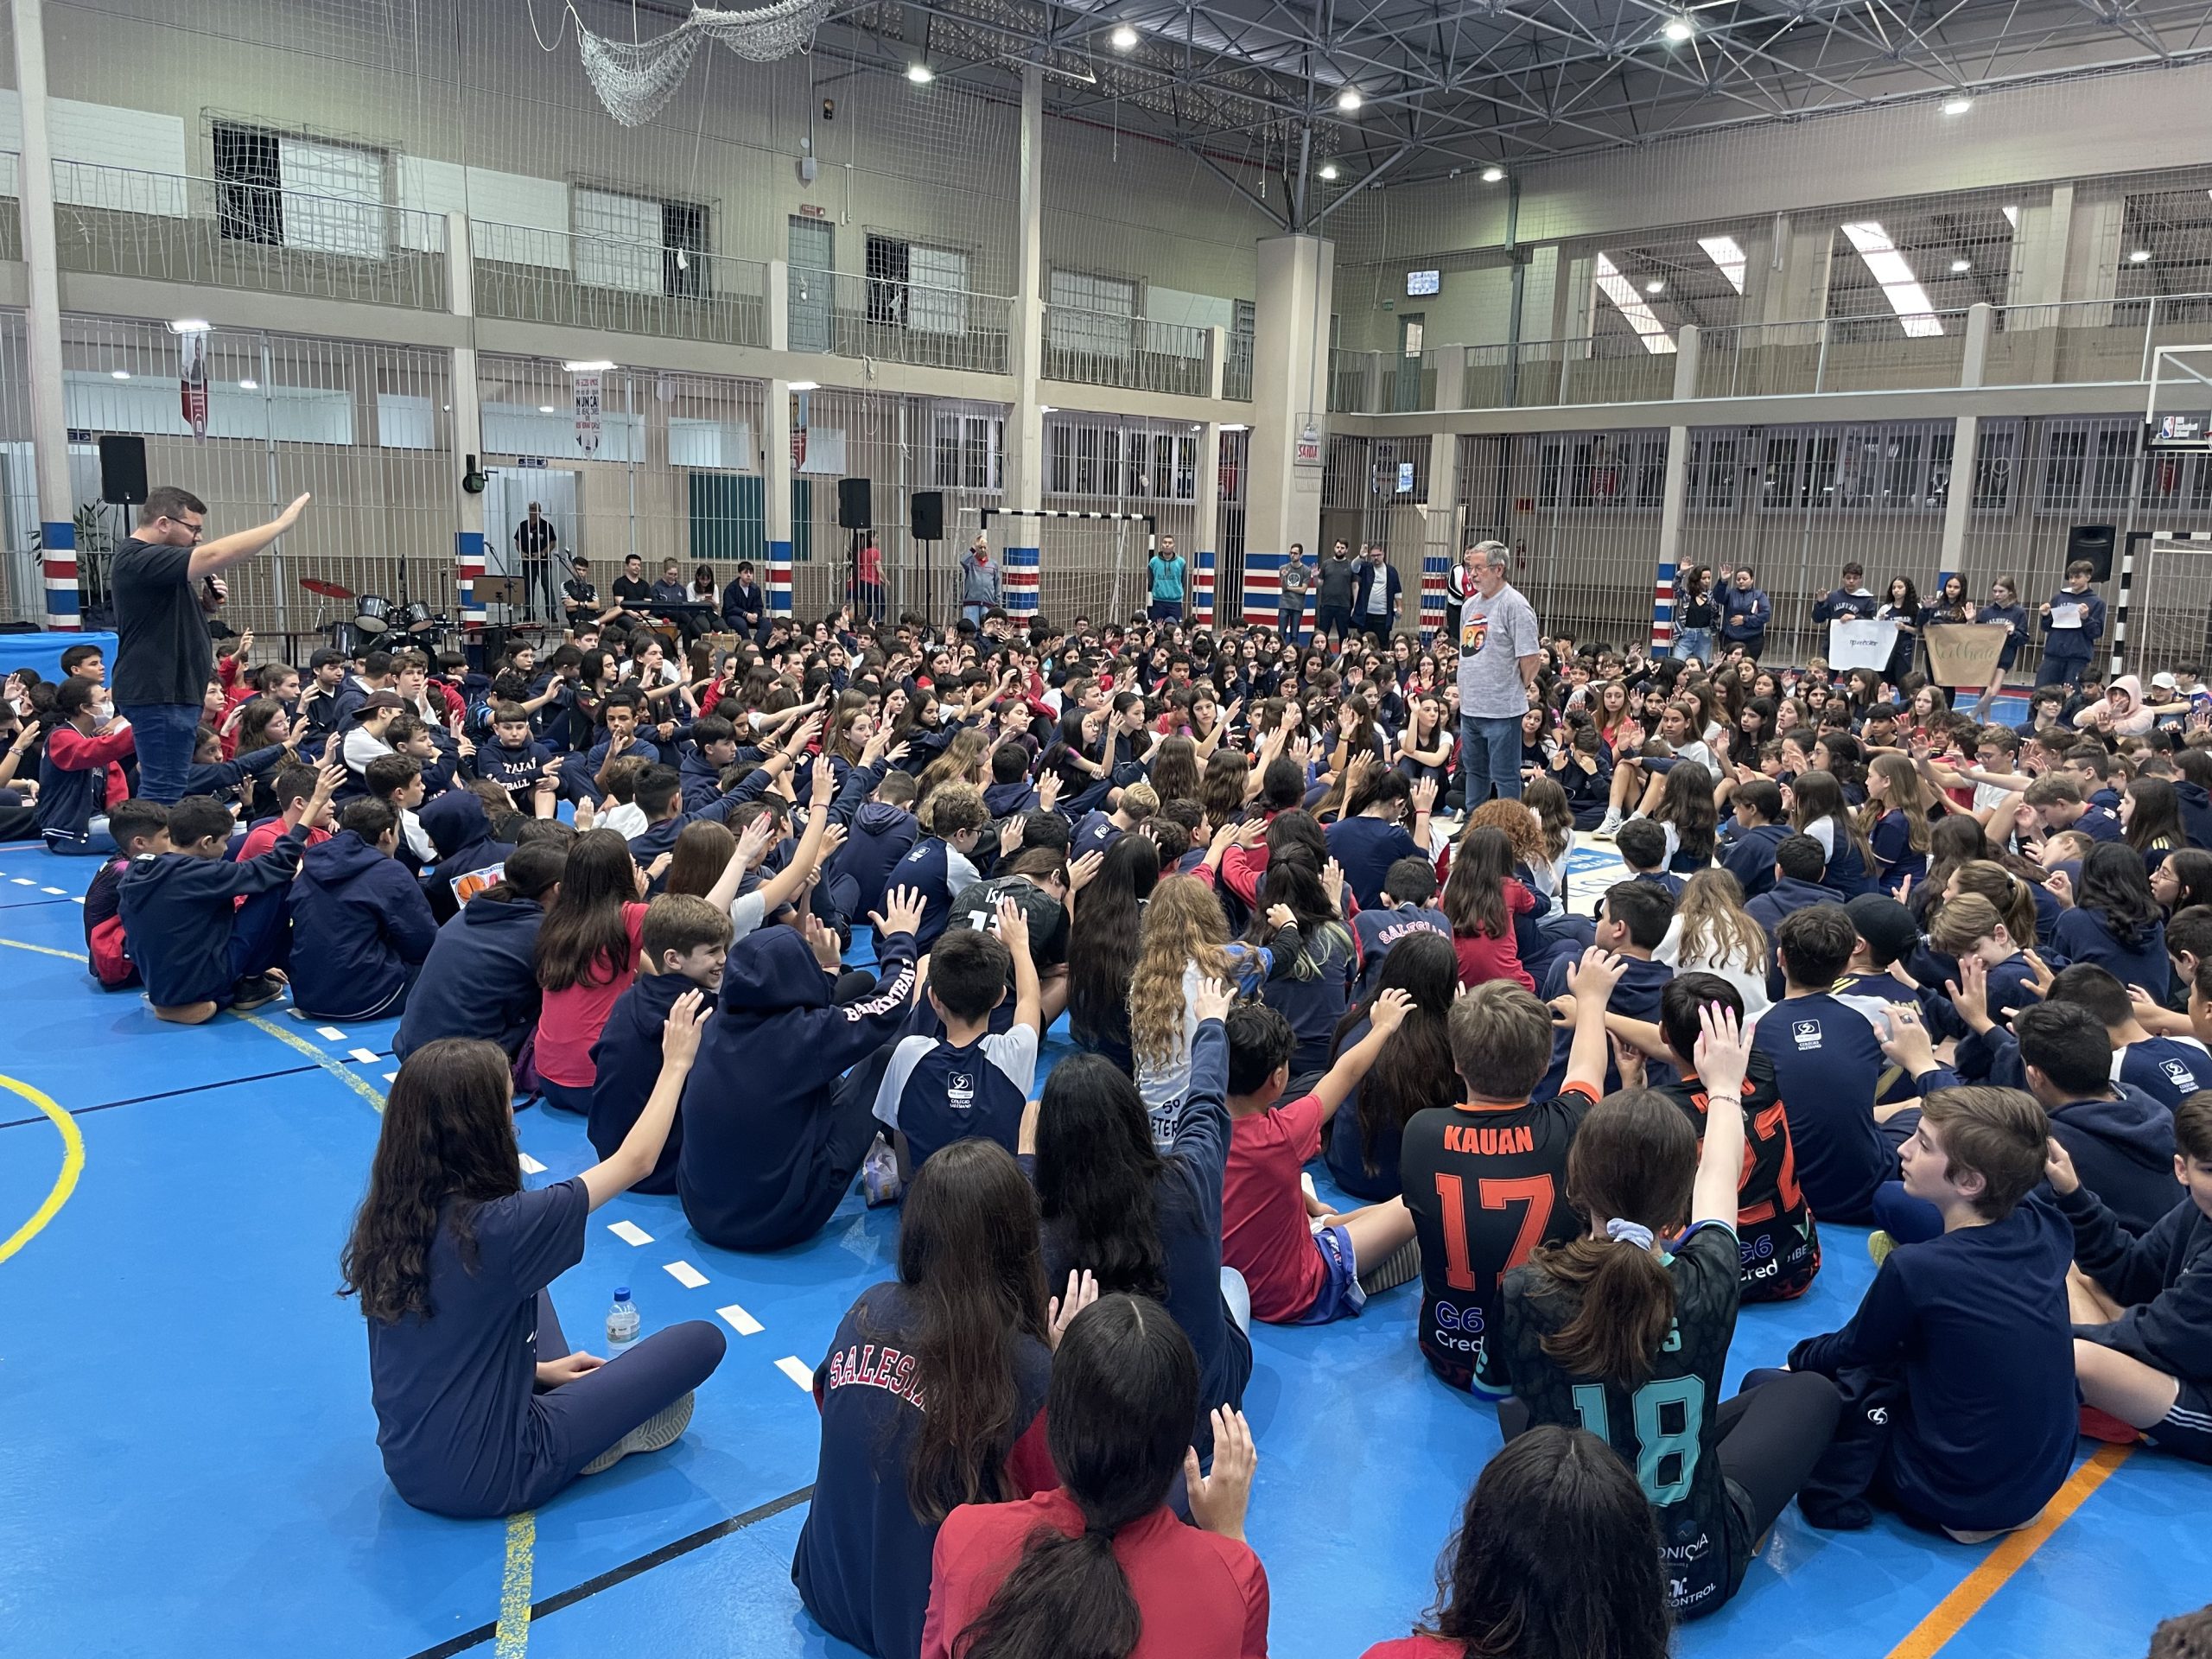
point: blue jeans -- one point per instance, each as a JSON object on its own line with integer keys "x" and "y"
{"x": 162, "y": 734}
{"x": 1693, "y": 642}
{"x": 1489, "y": 753}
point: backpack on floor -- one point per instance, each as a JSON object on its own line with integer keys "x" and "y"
{"x": 111, "y": 956}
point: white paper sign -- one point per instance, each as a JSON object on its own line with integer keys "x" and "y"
{"x": 1860, "y": 642}
{"x": 2066, "y": 616}
{"x": 586, "y": 385}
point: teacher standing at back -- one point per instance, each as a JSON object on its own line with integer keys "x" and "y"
{"x": 163, "y": 583}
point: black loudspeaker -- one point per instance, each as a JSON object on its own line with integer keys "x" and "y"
{"x": 856, "y": 510}
{"x": 122, "y": 469}
{"x": 2093, "y": 543}
{"x": 925, "y": 514}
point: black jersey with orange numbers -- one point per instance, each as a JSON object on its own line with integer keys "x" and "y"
{"x": 1775, "y": 1232}
{"x": 1486, "y": 1186}
{"x": 1667, "y": 1429}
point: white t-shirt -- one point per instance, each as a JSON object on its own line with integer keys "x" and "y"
{"x": 1745, "y": 972}
{"x": 1162, "y": 1087}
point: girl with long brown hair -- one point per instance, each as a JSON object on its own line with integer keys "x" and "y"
{"x": 1895, "y": 820}
{"x": 586, "y": 954}
{"x": 1625, "y": 1330}
{"x": 1182, "y": 942}
{"x": 1713, "y": 933}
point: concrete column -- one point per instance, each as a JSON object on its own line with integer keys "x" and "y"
{"x": 1439, "y": 541}
{"x": 42, "y": 334}
{"x": 1290, "y": 395}
{"x": 467, "y": 428}
{"x": 776, "y": 495}
{"x": 776, "y": 301}
{"x": 1688, "y": 348}
{"x": 1958, "y": 501}
{"x": 2091, "y": 270}
{"x": 1205, "y": 530}
{"x": 1024, "y": 449}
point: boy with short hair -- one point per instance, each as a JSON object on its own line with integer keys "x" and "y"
{"x": 1486, "y": 1179}
{"x": 198, "y": 948}
{"x": 684, "y": 943}
{"x": 396, "y": 780}
{"x": 1643, "y": 846}
{"x": 81, "y": 770}
{"x": 1299, "y": 1273}
{"x": 1826, "y": 1064}
{"x": 938, "y": 865}
{"x": 1794, "y": 883}
{"x": 513, "y": 759}
{"x": 1957, "y": 1371}
{"x": 2141, "y": 1298}
{"x": 361, "y": 923}
{"x": 2072, "y": 620}
{"x": 971, "y": 1081}
{"x": 2057, "y": 802}
{"x": 1747, "y": 850}
{"x": 295, "y": 785}
{"x": 1631, "y": 924}
{"x": 2120, "y": 1140}
{"x": 1409, "y": 907}
{"x": 87, "y": 662}
{"x": 141, "y": 828}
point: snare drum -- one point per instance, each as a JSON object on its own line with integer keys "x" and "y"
{"x": 373, "y": 614}
{"x": 412, "y": 619}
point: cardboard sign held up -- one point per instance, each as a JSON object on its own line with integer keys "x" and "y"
{"x": 1965, "y": 653}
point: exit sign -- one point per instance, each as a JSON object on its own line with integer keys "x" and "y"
{"x": 808, "y": 210}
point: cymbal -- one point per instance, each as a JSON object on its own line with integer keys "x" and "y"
{"x": 327, "y": 589}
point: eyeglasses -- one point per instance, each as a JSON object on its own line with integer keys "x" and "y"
{"x": 198, "y": 530}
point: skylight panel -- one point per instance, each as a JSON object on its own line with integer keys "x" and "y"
{"x": 1631, "y": 304}
{"x": 1727, "y": 253}
{"x": 1899, "y": 286}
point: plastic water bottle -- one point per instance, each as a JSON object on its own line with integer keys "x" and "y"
{"x": 622, "y": 1322}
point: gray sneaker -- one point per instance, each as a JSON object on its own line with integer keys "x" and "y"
{"x": 658, "y": 1432}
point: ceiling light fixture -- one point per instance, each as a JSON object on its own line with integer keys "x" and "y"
{"x": 920, "y": 74}
{"x": 1654, "y": 286}
{"x": 249, "y": 385}
{"x": 1349, "y": 99}
{"x": 597, "y": 365}
{"x": 1328, "y": 170}
{"x": 1493, "y": 175}
{"x": 806, "y": 385}
{"x": 1124, "y": 38}
{"x": 189, "y": 326}
{"x": 1958, "y": 105}
{"x": 2140, "y": 257}
{"x": 1727, "y": 254}
{"x": 1900, "y": 286}
{"x": 1960, "y": 267}
{"x": 1630, "y": 303}
{"x": 1677, "y": 30}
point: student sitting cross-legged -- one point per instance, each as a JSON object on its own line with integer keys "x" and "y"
{"x": 1957, "y": 1371}
{"x": 480, "y": 978}
{"x": 684, "y": 944}
{"x": 1624, "y": 1329}
{"x": 361, "y": 924}
{"x": 141, "y": 830}
{"x": 481, "y": 1409}
{"x": 2141, "y": 1298}
{"x": 772, "y": 1135}
{"x": 199, "y": 950}
{"x": 972, "y": 1081}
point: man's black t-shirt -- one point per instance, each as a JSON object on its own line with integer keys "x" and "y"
{"x": 162, "y": 652}
{"x": 634, "y": 590}
{"x": 1486, "y": 1186}
{"x": 535, "y": 539}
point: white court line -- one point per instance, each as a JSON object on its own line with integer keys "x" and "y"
{"x": 745, "y": 1325}
{"x": 330, "y": 1034}
{"x": 530, "y": 1165}
{"x": 57, "y": 891}
{"x": 629, "y": 1232}
{"x": 391, "y": 1077}
{"x": 685, "y": 1275}
{"x": 366, "y": 1056}
{"x": 25, "y": 881}
{"x": 798, "y": 1371}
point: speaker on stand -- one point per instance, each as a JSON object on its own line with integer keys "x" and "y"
{"x": 2093, "y": 543}
{"x": 856, "y": 516}
{"x": 123, "y": 484}
{"x": 925, "y": 523}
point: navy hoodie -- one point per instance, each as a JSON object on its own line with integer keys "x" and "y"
{"x": 1637, "y": 997}
{"x": 177, "y": 909}
{"x": 480, "y": 978}
{"x": 2162, "y": 1275}
{"x": 650, "y": 843}
{"x": 762, "y": 1167}
{"x": 1749, "y": 856}
{"x": 702, "y": 778}
{"x": 881, "y": 835}
{"x": 2123, "y": 1149}
{"x": 516, "y": 771}
{"x": 360, "y": 928}
{"x": 628, "y": 1055}
{"x": 2196, "y": 813}
{"x": 1003, "y": 800}
{"x": 461, "y": 833}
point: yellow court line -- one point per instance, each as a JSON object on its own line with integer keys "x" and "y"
{"x": 1950, "y": 1615}
{"x": 72, "y": 1165}
{"x": 337, "y": 1069}
{"x": 44, "y": 950}
{"x": 512, "y": 1638}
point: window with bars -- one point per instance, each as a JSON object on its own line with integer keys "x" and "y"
{"x": 639, "y": 245}
{"x": 1092, "y": 314}
{"x": 2087, "y": 465}
{"x": 282, "y": 190}
{"x": 971, "y": 452}
{"x": 1712, "y": 466}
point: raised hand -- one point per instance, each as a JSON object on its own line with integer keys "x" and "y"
{"x": 1212, "y": 1000}
{"x": 679, "y": 1032}
{"x": 901, "y": 913}
{"x": 1389, "y": 1011}
{"x": 1082, "y": 1292}
{"x": 1592, "y": 979}
{"x": 1724, "y": 1053}
{"x": 1219, "y": 1500}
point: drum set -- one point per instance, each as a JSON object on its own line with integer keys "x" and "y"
{"x": 377, "y": 620}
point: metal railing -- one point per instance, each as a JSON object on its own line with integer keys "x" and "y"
{"x": 1097, "y": 348}
{"x": 847, "y": 314}
{"x": 122, "y": 222}
{"x": 526, "y": 275}
{"x": 1237, "y": 370}
{"x": 11, "y": 215}
{"x": 1759, "y": 360}
{"x": 2081, "y": 342}
{"x": 1543, "y": 373}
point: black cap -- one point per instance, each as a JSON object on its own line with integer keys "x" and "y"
{"x": 1886, "y": 925}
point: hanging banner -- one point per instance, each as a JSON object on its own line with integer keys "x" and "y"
{"x": 586, "y": 385}
{"x": 191, "y": 383}
{"x": 798, "y": 431}
{"x": 1860, "y": 642}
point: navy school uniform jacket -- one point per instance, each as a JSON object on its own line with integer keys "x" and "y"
{"x": 1975, "y": 1323}
{"x": 70, "y": 797}
{"x": 1827, "y": 1064}
{"x": 2082, "y": 936}
{"x": 2074, "y": 642}
{"x": 1094, "y": 834}
{"x": 461, "y": 833}
{"x": 650, "y": 843}
{"x": 2123, "y": 1150}
{"x": 1374, "y": 931}
{"x": 176, "y": 913}
{"x": 1749, "y": 856}
{"x": 937, "y": 870}
{"x": 479, "y": 979}
{"x": 578, "y": 771}
{"x": 361, "y": 926}
{"x": 935, "y": 1093}
{"x": 757, "y": 1172}
{"x": 2196, "y": 813}
{"x": 1637, "y": 997}
{"x": 881, "y": 835}
{"x": 516, "y": 771}
{"x": 628, "y": 1055}
{"x": 702, "y": 778}
{"x": 2162, "y": 1275}
{"x": 2168, "y": 1069}
{"x": 222, "y": 778}
{"x": 2099, "y": 824}
{"x": 1892, "y": 842}
{"x": 1785, "y": 896}
{"x": 1004, "y": 800}
{"x": 1366, "y": 848}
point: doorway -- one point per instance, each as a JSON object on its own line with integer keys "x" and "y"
{"x": 812, "y": 252}
{"x": 1406, "y": 394}
{"x": 532, "y": 586}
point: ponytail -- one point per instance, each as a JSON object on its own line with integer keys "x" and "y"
{"x": 1066, "y": 1598}
{"x": 1626, "y": 1306}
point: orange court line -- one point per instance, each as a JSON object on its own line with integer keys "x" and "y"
{"x": 1950, "y": 1616}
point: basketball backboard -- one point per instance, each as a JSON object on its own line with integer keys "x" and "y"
{"x": 2178, "y": 412}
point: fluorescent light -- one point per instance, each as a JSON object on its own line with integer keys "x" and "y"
{"x": 1492, "y": 175}
{"x": 1958, "y": 105}
{"x": 249, "y": 385}
{"x": 1348, "y": 99}
{"x": 119, "y": 374}
{"x": 804, "y": 385}
{"x": 1678, "y": 29}
{"x": 1727, "y": 254}
{"x": 1899, "y": 286}
{"x": 2140, "y": 257}
{"x": 1046, "y": 409}
{"x": 2013, "y": 217}
{"x": 1328, "y": 170}
{"x": 1654, "y": 286}
{"x": 1235, "y": 426}
{"x": 189, "y": 326}
{"x": 596, "y": 366}
{"x": 1622, "y": 292}
{"x": 1124, "y": 38}
{"x": 545, "y": 409}
{"x": 1960, "y": 267}
{"x": 920, "y": 74}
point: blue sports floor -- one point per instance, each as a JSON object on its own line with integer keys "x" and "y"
{"x": 189, "y": 1467}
